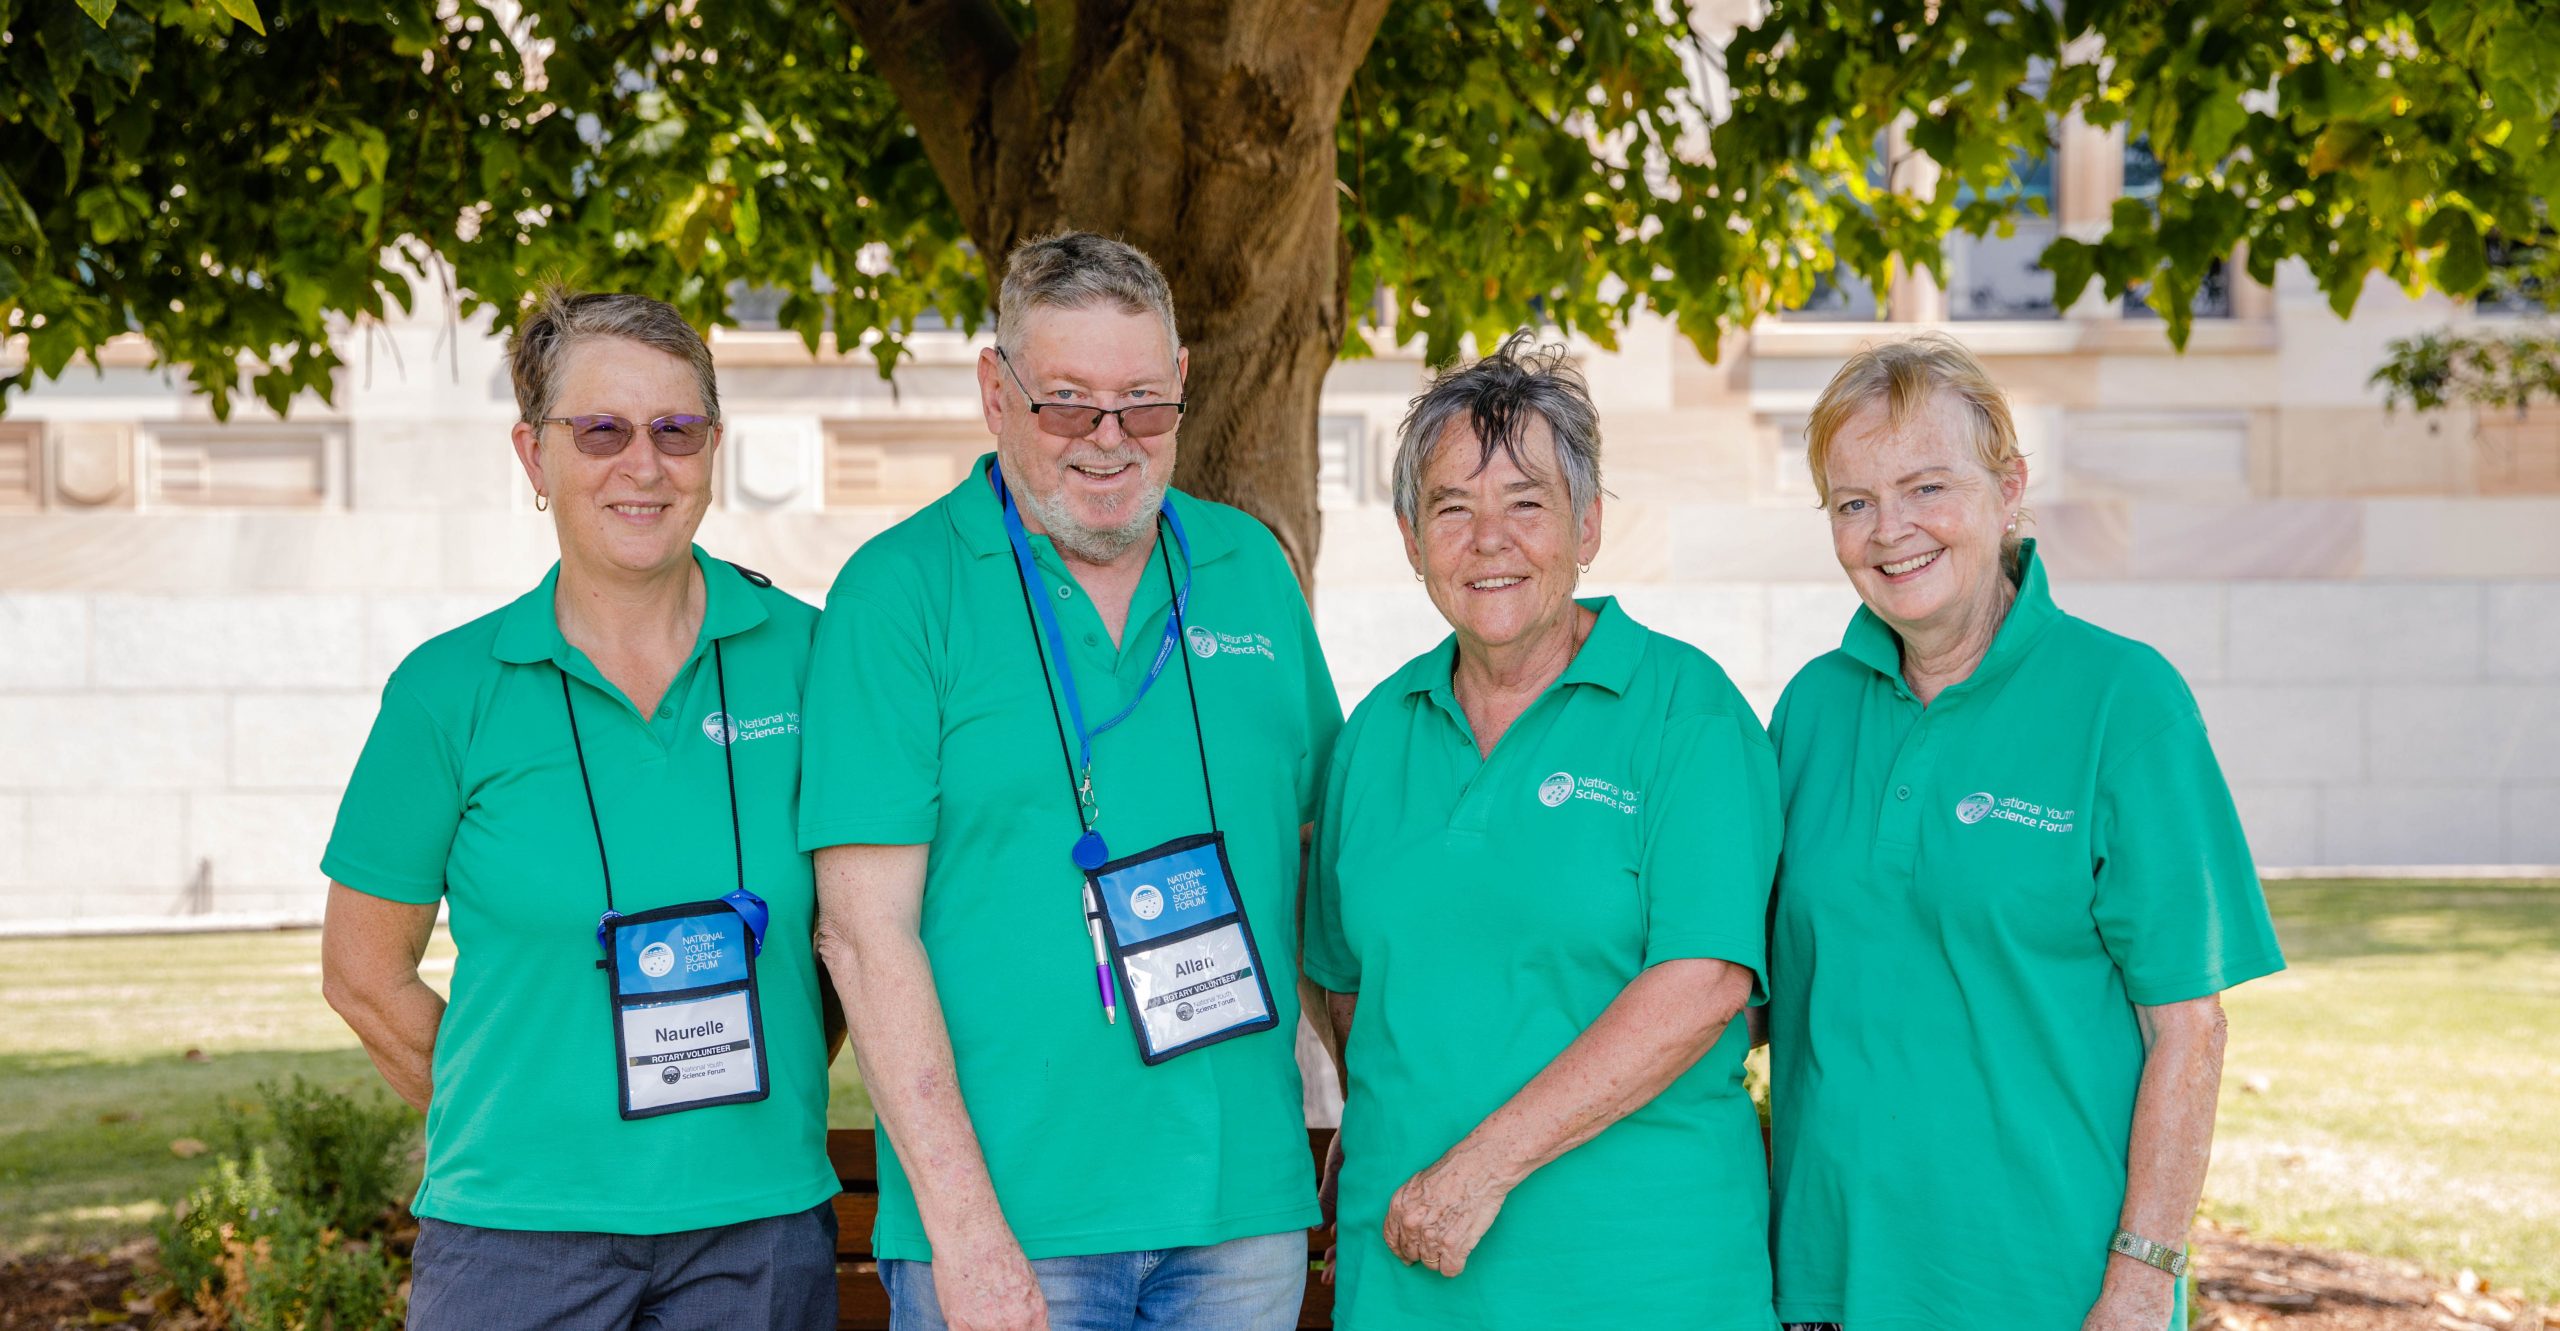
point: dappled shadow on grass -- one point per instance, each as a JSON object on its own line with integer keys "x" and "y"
{"x": 2321, "y": 921}
{"x": 86, "y": 1144}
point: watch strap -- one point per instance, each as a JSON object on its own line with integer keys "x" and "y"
{"x": 2140, "y": 1249}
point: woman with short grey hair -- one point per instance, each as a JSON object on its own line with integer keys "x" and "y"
{"x": 1540, "y": 881}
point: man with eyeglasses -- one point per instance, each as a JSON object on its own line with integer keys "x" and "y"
{"x": 1064, "y": 728}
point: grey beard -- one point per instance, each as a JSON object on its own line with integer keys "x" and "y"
{"x": 1093, "y": 545}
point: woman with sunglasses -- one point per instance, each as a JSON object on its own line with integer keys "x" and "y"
{"x": 626, "y": 1090}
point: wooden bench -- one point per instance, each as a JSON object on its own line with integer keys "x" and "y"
{"x": 862, "y": 1305}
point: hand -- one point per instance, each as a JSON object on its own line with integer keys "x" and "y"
{"x": 988, "y": 1286}
{"x": 2134, "y": 1305}
{"x": 1440, "y": 1214}
{"x": 1327, "y": 1190}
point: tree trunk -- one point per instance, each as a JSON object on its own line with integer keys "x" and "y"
{"x": 1200, "y": 131}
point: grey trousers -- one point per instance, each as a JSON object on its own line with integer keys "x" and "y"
{"x": 777, "y": 1274}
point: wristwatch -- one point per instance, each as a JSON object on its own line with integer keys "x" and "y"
{"x": 2140, "y": 1249}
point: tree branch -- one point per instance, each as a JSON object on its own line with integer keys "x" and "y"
{"x": 946, "y": 59}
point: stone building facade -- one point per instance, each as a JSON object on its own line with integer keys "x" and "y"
{"x": 196, "y": 618}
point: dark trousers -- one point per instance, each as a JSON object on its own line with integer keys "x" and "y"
{"x": 777, "y": 1274}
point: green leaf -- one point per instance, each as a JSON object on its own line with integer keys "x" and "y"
{"x": 2218, "y": 120}
{"x": 342, "y": 152}
{"x": 2463, "y": 268}
{"x": 98, "y": 10}
{"x": 2072, "y": 263}
{"x": 744, "y": 220}
{"x": 247, "y": 12}
{"x": 113, "y": 212}
{"x": 2342, "y": 145}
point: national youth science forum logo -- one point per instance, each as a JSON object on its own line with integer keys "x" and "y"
{"x": 1555, "y": 790}
{"x": 1975, "y": 807}
{"x": 1204, "y": 644}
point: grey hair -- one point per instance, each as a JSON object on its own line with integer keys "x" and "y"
{"x": 1491, "y": 395}
{"x": 1070, "y": 270}
{"x": 561, "y": 319}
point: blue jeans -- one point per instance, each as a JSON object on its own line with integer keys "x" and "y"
{"x": 776, "y": 1274}
{"x": 1252, "y": 1284}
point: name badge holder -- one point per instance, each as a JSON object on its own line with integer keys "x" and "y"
{"x": 1168, "y": 925}
{"x": 1182, "y": 948}
{"x": 681, "y": 990}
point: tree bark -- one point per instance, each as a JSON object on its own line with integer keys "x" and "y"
{"x": 1200, "y": 131}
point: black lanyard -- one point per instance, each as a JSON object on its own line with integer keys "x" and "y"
{"x": 720, "y": 674}
{"x": 1088, "y": 814}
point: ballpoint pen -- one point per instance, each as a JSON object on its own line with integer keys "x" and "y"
{"x": 1101, "y": 957}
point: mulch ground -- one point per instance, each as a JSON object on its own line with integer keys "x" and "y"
{"x": 2243, "y": 1284}
{"x": 2247, "y": 1284}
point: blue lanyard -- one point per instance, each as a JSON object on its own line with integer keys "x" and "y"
{"x": 1020, "y": 538}
{"x": 1090, "y": 846}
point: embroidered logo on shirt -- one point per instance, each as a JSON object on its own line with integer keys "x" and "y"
{"x": 1563, "y": 788}
{"x": 1983, "y": 804}
{"x": 1207, "y": 642}
{"x": 722, "y": 728}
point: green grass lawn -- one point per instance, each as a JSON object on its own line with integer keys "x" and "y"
{"x": 2397, "y": 1091}
{"x": 96, "y": 1081}
{"x": 2410, "y": 1071}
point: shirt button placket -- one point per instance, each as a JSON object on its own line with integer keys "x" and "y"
{"x": 1899, "y": 820}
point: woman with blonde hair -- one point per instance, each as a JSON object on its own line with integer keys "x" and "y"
{"x": 2012, "y": 887}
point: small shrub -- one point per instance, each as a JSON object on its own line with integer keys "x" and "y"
{"x": 286, "y": 1233}
{"x": 341, "y": 1158}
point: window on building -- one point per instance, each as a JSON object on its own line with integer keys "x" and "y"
{"x": 2514, "y": 286}
{"x": 1843, "y": 294}
{"x": 755, "y": 309}
{"x": 2000, "y": 277}
{"x": 2142, "y": 178}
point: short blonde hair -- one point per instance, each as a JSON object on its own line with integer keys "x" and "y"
{"x": 1906, "y": 376}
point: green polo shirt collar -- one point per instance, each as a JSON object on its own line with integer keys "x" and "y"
{"x": 978, "y": 520}
{"x": 1608, "y": 659}
{"x": 530, "y": 633}
{"x": 1871, "y": 643}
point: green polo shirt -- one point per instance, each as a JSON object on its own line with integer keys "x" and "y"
{"x": 931, "y": 722}
{"x": 1486, "y": 910}
{"x": 468, "y": 790}
{"x": 1973, "y": 898}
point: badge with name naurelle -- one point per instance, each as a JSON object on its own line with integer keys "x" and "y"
{"x": 1183, "y": 948}
{"x": 687, "y": 1029}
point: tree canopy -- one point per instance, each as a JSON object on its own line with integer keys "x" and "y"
{"x": 231, "y": 179}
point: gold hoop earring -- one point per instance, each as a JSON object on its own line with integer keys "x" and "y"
{"x": 541, "y": 502}
{"x": 1584, "y": 567}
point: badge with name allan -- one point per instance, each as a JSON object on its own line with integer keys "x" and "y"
{"x": 1182, "y": 947}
